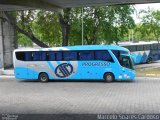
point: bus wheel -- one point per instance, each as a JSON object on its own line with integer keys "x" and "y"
{"x": 149, "y": 60}
{"x": 108, "y": 77}
{"x": 43, "y": 77}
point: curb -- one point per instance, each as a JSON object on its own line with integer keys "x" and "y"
{"x": 6, "y": 72}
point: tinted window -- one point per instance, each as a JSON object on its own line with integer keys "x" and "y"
{"x": 51, "y": 56}
{"x": 139, "y": 47}
{"x": 146, "y": 47}
{"x": 116, "y": 53}
{"x": 133, "y": 48}
{"x": 123, "y": 52}
{"x": 36, "y": 56}
{"x": 28, "y": 56}
{"x": 70, "y": 55}
{"x": 103, "y": 55}
{"x": 86, "y": 55}
{"x": 158, "y": 46}
{"x": 20, "y": 55}
{"x": 154, "y": 46}
{"x": 58, "y": 56}
{"x": 44, "y": 56}
{"x": 126, "y": 61}
{"x": 128, "y": 47}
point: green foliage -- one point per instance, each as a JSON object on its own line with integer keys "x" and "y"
{"x": 48, "y": 28}
{"x": 24, "y": 41}
{"x": 101, "y": 24}
{"x": 149, "y": 29}
{"x": 43, "y": 24}
{"x": 106, "y": 24}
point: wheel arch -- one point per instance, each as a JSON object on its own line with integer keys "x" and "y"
{"x": 107, "y": 73}
{"x": 43, "y": 72}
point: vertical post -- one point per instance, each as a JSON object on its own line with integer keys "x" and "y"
{"x": 7, "y": 42}
{"x": 82, "y": 28}
{"x": 1, "y": 43}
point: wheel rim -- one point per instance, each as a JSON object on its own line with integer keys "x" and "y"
{"x": 43, "y": 78}
{"x": 109, "y": 77}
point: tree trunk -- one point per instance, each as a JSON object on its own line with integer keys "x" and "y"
{"x": 65, "y": 32}
{"x": 32, "y": 37}
{"x": 64, "y": 22}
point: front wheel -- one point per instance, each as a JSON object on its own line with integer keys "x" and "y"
{"x": 108, "y": 77}
{"x": 43, "y": 77}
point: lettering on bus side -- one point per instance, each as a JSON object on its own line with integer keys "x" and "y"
{"x": 64, "y": 70}
{"x": 95, "y": 64}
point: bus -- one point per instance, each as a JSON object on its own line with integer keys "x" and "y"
{"x": 88, "y": 62}
{"x": 143, "y": 52}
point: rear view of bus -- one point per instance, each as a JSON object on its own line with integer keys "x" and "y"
{"x": 89, "y": 62}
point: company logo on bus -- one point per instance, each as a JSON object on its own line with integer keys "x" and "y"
{"x": 64, "y": 70}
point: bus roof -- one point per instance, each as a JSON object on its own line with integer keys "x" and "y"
{"x": 137, "y": 43}
{"x": 79, "y": 47}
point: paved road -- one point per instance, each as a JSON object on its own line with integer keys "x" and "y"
{"x": 155, "y": 64}
{"x": 140, "y": 96}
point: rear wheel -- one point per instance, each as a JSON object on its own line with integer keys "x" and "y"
{"x": 149, "y": 60}
{"x": 43, "y": 77}
{"x": 108, "y": 77}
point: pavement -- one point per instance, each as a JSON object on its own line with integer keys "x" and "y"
{"x": 140, "y": 96}
{"x": 8, "y": 72}
{"x": 155, "y": 64}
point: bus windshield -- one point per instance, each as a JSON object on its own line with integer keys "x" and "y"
{"x": 126, "y": 62}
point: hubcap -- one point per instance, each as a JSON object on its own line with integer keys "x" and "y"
{"x": 43, "y": 78}
{"x": 109, "y": 77}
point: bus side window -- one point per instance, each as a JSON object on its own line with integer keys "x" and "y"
{"x": 28, "y": 56}
{"x": 154, "y": 46}
{"x": 69, "y": 55}
{"x": 86, "y": 55}
{"x": 146, "y": 47}
{"x": 140, "y": 48}
{"x": 133, "y": 48}
{"x": 158, "y": 46}
{"x": 36, "y": 56}
{"x": 43, "y": 56}
{"x": 103, "y": 55}
{"x": 51, "y": 56}
{"x": 20, "y": 56}
{"x": 58, "y": 56}
{"x": 116, "y": 53}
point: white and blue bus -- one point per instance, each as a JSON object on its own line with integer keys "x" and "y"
{"x": 88, "y": 62}
{"x": 143, "y": 52}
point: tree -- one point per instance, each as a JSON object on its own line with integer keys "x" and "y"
{"x": 118, "y": 21}
{"x": 47, "y": 28}
{"x": 23, "y": 40}
{"x": 24, "y": 25}
{"x": 151, "y": 23}
{"x": 101, "y": 24}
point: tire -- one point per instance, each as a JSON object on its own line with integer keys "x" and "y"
{"x": 108, "y": 77}
{"x": 149, "y": 60}
{"x": 43, "y": 77}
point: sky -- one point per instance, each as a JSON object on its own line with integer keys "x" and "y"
{"x": 139, "y": 7}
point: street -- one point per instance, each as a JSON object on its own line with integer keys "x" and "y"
{"x": 81, "y": 97}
